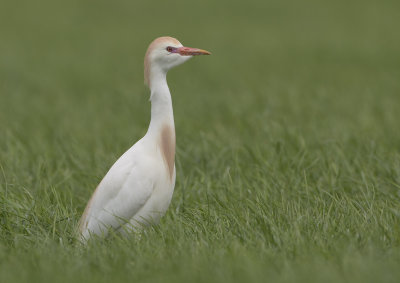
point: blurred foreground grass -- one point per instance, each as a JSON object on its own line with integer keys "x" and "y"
{"x": 288, "y": 159}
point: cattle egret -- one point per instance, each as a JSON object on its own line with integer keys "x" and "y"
{"x": 138, "y": 188}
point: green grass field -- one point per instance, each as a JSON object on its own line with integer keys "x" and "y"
{"x": 288, "y": 139}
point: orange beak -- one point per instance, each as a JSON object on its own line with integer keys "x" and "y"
{"x": 188, "y": 51}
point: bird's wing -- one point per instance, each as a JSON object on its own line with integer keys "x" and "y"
{"x": 113, "y": 205}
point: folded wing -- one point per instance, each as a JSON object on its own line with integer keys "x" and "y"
{"x": 120, "y": 195}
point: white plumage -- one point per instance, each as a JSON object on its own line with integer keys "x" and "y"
{"x": 138, "y": 188}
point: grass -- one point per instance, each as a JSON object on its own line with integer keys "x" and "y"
{"x": 288, "y": 158}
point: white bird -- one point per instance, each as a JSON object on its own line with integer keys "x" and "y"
{"x": 138, "y": 188}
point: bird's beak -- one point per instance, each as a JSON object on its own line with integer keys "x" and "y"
{"x": 188, "y": 51}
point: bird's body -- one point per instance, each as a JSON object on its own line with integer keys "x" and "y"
{"x": 138, "y": 188}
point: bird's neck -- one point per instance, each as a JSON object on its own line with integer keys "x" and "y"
{"x": 161, "y": 106}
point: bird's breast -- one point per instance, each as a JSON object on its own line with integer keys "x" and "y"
{"x": 167, "y": 148}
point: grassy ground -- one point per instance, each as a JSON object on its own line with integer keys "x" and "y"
{"x": 288, "y": 158}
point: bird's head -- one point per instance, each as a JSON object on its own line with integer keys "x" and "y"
{"x": 165, "y": 53}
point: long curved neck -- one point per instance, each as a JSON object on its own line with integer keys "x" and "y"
{"x": 161, "y": 105}
{"x": 162, "y": 128}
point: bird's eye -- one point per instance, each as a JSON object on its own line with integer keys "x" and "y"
{"x": 169, "y": 49}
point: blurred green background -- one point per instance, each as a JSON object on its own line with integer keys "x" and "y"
{"x": 288, "y": 141}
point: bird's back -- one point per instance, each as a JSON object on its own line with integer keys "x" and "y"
{"x": 130, "y": 188}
